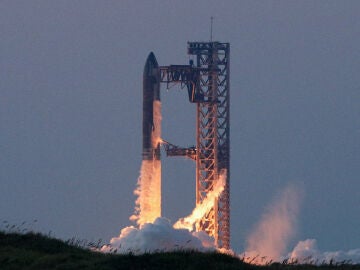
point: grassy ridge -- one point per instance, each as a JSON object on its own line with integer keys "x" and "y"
{"x": 36, "y": 251}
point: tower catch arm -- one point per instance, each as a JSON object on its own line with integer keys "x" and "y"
{"x": 174, "y": 150}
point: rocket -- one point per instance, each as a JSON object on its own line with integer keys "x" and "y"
{"x": 149, "y": 184}
{"x": 151, "y": 109}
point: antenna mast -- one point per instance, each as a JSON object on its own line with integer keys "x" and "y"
{"x": 211, "y": 27}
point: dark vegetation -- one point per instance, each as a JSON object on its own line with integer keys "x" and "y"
{"x": 36, "y": 251}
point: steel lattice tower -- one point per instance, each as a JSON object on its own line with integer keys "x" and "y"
{"x": 207, "y": 82}
{"x": 213, "y": 134}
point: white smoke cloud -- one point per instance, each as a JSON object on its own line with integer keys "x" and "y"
{"x": 158, "y": 236}
{"x": 307, "y": 252}
{"x": 269, "y": 239}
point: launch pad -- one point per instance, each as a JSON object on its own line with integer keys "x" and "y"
{"x": 207, "y": 81}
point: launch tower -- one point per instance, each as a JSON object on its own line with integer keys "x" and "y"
{"x": 213, "y": 134}
{"x": 208, "y": 84}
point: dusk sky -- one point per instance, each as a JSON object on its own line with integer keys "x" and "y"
{"x": 71, "y": 112}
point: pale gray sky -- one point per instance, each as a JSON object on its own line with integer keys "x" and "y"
{"x": 70, "y": 111}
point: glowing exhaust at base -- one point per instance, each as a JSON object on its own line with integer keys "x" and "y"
{"x": 159, "y": 235}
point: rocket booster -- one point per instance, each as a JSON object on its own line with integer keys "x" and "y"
{"x": 151, "y": 109}
{"x": 148, "y": 203}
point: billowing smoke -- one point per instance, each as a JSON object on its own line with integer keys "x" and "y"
{"x": 269, "y": 240}
{"x": 158, "y": 236}
{"x": 161, "y": 236}
{"x": 307, "y": 252}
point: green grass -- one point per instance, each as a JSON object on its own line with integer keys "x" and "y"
{"x": 36, "y": 251}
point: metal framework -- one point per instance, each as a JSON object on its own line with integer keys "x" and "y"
{"x": 176, "y": 151}
{"x": 208, "y": 86}
{"x": 213, "y": 135}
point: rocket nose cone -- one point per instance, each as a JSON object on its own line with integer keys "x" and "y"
{"x": 150, "y": 64}
{"x": 151, "y": 58}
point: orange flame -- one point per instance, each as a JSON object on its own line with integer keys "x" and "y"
{"x": 148, "y": 190}
{"x": 204, "y": 207}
